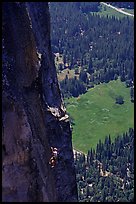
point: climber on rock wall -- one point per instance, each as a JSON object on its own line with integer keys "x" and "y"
{"x": 53, "y": 159}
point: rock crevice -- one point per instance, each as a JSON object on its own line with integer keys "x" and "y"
{"x": 33, "y": 114}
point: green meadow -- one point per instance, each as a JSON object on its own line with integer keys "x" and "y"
{"x": 107, "y": 11}
{"x": 95, "y": 114}
{"x": 131, "y": 11}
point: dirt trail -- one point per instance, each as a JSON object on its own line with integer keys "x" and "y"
{"x": 118, "y": 9}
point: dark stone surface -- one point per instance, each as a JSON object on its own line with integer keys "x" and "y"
{"x": 33, "y": 115}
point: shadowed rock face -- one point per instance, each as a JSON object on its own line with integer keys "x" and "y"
{"x": 33, "y": 115}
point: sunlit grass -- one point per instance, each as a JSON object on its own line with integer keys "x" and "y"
{"x": 96, "y": 114}
{"x": 107, "y": 11}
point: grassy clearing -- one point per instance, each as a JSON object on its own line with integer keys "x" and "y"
{"x": 96, "y": 115}
{"x": 107, "y": 11}
{"x": 131, "y": 11}
{"x": 68, "y": 72}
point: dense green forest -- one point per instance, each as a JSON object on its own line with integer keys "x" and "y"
{"x": 99, "y": 49}
{"x": 107, "y": 173}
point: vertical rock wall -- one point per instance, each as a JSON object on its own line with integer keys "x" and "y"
{"x": 33, "y": 115}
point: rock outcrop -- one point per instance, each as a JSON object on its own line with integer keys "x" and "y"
{"x": 34, "y": 118}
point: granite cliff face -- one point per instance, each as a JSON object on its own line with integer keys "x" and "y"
{"x": 33, "y": 115}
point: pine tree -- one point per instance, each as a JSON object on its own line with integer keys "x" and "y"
{"x": 90, "y": 67}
